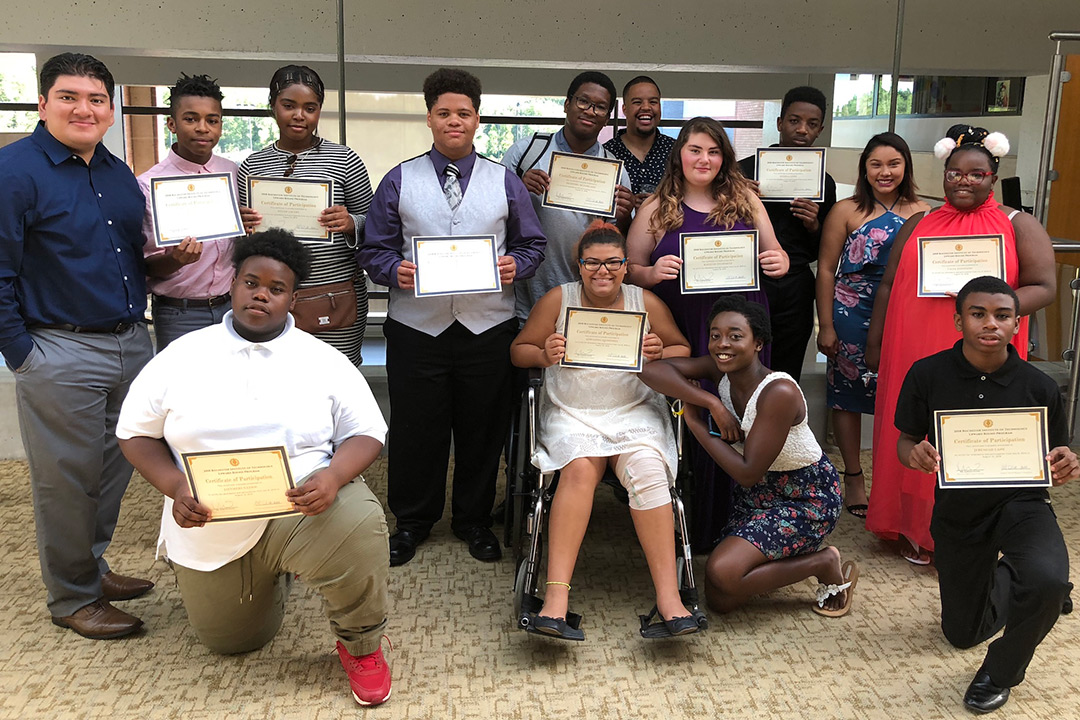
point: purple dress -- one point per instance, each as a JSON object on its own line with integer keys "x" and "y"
{"x": 710, "y": 503}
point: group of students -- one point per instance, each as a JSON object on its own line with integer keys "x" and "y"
{"x": 766, "y": 494}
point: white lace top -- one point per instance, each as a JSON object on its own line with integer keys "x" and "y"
{"x": 800, "y": 449}
{"x": 600, "y": 413}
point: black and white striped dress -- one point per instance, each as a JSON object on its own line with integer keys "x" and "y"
{"x": 331, "y": 262}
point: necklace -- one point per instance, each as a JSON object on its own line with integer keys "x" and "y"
{"x": 605, "y": 307}
{"x": 295, "y": 157}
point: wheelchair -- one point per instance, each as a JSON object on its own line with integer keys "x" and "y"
{"x": 529, "y": 493}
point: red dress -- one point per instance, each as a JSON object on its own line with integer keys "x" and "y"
{"x": 902, "y": 500}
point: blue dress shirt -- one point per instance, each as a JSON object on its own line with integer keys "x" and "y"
{"x": 70, "y": 241}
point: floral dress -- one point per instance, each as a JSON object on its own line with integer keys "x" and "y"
{"x": 795, "y": 506}
{"x": 851, "y": 386}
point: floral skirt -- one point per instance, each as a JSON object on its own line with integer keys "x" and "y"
{"x": 789, "y": 512}
{"x": 850, "y": 384}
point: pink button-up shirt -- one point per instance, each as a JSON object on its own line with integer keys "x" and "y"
{"x": 212, "y": 274}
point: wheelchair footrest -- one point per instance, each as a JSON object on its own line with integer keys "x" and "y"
{"x": 651, "y": 630}
{"x": 531, "y": 605}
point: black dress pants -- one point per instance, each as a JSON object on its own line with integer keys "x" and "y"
{"x": 457, "y": 385}
{"x": 1022, "y": 592}
{"x": 791, "y": 313}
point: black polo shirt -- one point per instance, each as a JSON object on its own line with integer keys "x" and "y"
{"x": 800, "y": 244}
{"x": 947, "y": 381}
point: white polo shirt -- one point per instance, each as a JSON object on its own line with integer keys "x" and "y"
{"x": 213, "y": 390}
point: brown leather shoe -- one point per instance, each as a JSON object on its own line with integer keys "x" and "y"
{"x": 100, "y": 621}
{"x": 120, "y": 587}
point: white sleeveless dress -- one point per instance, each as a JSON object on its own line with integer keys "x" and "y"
{"x": 600, "y": 413}
{"x": 796, "y": 505}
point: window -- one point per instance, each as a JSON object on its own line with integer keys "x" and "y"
{"x": 18, "y": 87}
{"x": 926, "y": 95}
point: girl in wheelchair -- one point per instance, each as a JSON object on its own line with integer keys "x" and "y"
{"x": 594, "y": 419}
{"x": 788, "y": 495}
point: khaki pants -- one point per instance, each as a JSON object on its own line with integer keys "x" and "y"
{"x": 342, "y": 552}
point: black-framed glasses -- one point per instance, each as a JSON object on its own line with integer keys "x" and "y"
{"x": 612, "y": 265}
{"x": 975, "y": 176}
{"x": 585, "y": 104}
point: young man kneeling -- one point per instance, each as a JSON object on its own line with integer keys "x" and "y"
{"x": 1000, "y": 556}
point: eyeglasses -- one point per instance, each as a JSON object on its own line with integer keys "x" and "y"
{"x": 592, "y": 264}
{"x": 975, "y": 176}
{"x": 584, "y": 104}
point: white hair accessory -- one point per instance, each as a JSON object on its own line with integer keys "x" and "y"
{"x": 997, "y": 144}
{"x": 945, "y": 146}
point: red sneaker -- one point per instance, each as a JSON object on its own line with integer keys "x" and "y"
{"x": 369, "y": 676}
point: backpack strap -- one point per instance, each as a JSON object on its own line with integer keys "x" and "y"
{"x": 537, "y": 147}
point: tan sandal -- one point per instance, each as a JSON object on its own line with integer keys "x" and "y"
{"x": 850, "y": 572}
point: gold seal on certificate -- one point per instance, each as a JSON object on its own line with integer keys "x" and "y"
{"x": 241, "y": 484}
{"x": 455, "y": 265}
{"x": 583, "y": 183}
{"x": 200, "y": 206}
{"x": 719, "y": 261}
{"x": 293, "y": 204}
{"x": 787, "y": 173}
{"x": 947, "y": 263}
{"x": 993, "y": 448}
{"x": 605, "y": 339}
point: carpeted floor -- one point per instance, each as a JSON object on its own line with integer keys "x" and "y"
{"x": 457, "y": 655}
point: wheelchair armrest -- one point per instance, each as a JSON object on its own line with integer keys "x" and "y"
{"x": 536, "y": 377}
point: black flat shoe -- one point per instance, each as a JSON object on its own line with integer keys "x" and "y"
{"x": 556, "y": 628}
{"x": 983, "y": 695}
{"x": 685, "y": 625}
{"x": 483, "y": 545}
{"x": 403, "y": 544}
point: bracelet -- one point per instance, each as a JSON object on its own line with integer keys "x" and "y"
{"x": 556, "y": 582}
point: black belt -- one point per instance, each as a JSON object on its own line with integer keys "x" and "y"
{"x": 192, "y": 303}
{"x": 116, "y": 329}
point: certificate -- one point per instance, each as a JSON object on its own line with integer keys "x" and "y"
{"x": 606, "y": 339}
{"x": 947, "y": 263}
{"x": 719, "y": 261}
{"x": 994, "y": 448}
{"x": 786, "y": 173}
{"x": 241, "y": 484}
{"x": 455, "y": 265}
{"x": 583, "y": 183}
{"x": 200, "y": 206}
{"x": 293, "y": 204}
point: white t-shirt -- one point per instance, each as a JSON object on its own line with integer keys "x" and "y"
{"x": 213, "y": 390}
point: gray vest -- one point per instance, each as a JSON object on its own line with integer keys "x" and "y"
{"x": 424, "y": 211}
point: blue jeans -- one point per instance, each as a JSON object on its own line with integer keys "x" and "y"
{"x": 172, "y": 322}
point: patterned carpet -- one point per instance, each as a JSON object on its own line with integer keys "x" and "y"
{"x": 457, "y": 654}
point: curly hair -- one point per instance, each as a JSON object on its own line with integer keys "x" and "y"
{"x": 729, "y": 188}
{"x": 193, "y": 86}
{"x": 596, "y": 78}
{"x": 757, "y": 317}
{"x": 986, "y": 284}
{"x": 277, "y": 244}
{"x": 452, "y": 80}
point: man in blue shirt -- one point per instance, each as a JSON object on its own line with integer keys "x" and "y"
{"x": 72, "y": 298}
{"x": 448, "y": 356}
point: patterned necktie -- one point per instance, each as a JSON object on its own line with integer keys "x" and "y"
{"x": 451, "y": 187}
